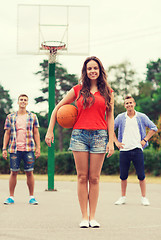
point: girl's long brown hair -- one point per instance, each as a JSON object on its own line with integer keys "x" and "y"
{"x": 102, "y": 84}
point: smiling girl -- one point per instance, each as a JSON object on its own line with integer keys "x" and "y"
{"x": 89, "y": 142}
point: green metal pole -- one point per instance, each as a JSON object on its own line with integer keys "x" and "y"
{"x": 51, "y": 150}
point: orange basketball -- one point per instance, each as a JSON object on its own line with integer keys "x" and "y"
{"x": 67, "y": 116}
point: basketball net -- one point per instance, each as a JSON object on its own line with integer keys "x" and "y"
{"x": 53, "y": 47}
{"x": 52, "y": 56}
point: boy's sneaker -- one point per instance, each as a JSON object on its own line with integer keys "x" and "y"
{"x": 9, "y": 201}
{"x": 145, "y": 201}
{"x": 122, "y": 200}
{"x": 33, "y": 201}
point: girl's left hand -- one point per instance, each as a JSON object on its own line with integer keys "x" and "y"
{"x": 110, "y": 149}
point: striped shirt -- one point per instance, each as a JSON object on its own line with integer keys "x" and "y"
{"x": 10, "y": 124}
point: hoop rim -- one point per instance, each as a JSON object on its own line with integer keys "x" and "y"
{"x": 53, "y": 45}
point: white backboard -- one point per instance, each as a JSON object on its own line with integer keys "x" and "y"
{"x": 38, "y": 23}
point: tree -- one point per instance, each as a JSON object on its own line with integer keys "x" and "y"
{"x": 156, "y": 139}
{"x": 123, "y": 80}
{"x": 64, "y": 82}
{"x": 154, "y": 73}
{"x": 149, "y": 97}
{"x": 5, "y": 106}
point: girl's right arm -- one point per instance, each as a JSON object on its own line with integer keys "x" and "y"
{"x": 69, "y": 98}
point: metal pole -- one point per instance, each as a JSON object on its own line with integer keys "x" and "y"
{"x": 51, "y": 150}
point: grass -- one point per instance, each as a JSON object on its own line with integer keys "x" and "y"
{"x": 73, "y": 178}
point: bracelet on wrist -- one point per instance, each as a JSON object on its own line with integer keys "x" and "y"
{"x": 145, "y": 140}
{"x": 4, "y": 149}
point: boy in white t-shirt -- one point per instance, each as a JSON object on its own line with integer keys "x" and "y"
{"x": 132, "y": 139}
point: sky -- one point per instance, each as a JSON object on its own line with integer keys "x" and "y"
{"x": 119, "y": 30}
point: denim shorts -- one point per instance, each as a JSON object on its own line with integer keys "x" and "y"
{"x": 28, "y": 159}
{"x": 93, "y": 141}
{"x": 137, "y": 157}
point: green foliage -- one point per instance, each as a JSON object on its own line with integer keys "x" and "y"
{"x": 123, "y": 80}
{"x": 156, "y": 139}
{"x": 44, "y": 146}
{"x": 149, "y": 97}
{"x": 149, "y": 160}
{"x": 41, "y": 164}
{"x": 43, "y": 120}
{"x": 111, "y": 165}
{"x": 154, "y": 72}
{"x": 4, "y": 165}
{"x": 42, "y": 132}
{"x": 145, "y": 105}
{"x": 157, "y": 170}
{"x": 145, "y": 89}
{"x": 66, "y": 134}
{"x": 64, "y": 163}
{"x": 118, "y": 108}
{"x": 64, "y": 81}
{"x": 5, "y": 106}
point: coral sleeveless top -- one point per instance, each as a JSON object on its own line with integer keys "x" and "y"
{"x": 93, "y": 117}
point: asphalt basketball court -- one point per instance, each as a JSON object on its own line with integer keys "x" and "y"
{"x": 58, "y": 215}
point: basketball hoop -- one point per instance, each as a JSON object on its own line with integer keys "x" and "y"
{"x": 53, "y": 47}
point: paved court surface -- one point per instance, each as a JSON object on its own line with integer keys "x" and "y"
{"x": 58, "y": 215}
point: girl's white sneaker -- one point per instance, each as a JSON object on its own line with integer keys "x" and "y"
{"x": 94, "y": 224}
{"x": 84, "y": 224}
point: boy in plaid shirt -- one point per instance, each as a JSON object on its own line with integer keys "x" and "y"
{"x": 22, "y": 134}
